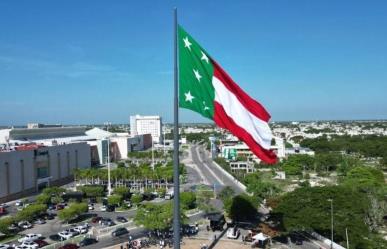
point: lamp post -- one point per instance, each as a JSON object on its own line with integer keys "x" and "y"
{"x": 108, "y": 159}
{"x": 331, "y": 201}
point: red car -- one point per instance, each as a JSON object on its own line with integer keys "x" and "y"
{"x": 69, "y": 246}
{"x": 41, "y": 243}
{"x": 96, "y": 219}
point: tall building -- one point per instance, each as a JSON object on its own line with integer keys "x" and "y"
{"x": 140, "y": 125}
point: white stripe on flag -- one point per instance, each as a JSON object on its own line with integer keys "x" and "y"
{"x": 257, "y": 128}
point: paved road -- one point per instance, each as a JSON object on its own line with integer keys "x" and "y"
{"x": 212, "y": 174}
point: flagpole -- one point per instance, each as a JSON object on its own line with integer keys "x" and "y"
{"x": 176, "y": 188}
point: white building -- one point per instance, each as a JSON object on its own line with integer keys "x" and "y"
{"x": 140, "y": 125}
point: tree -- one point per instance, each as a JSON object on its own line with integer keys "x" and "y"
{"x": 30, "y": 212}
{"x": 188, "y": 200}
{"x": 73, "y": 211}
{"x": 309, "y": 209}
{"x": 54, "y": 191}
{"x": 203, "y": 196}
{"x": 115, "y": 200}
{"x": 123, "y": 191}
{"x": 242, "y": 208}
{"x": 92, "y": 191}
{"x": 226, "y": 193}
{"x": 136, "y": 199}
{"x": 262, "y": 189}
{"x": 156, "y": 216}
{"x": 364, "y": 177}
{"x": 5, "y": 223}
{"x": 43, "y": 199}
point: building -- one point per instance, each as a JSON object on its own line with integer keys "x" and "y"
{"x": 140, "y": 125}
{"x": 25, "y": 169}
{"x": 245, "y": 167}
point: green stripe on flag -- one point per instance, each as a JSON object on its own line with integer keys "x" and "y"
{"x": 195, "y": 76}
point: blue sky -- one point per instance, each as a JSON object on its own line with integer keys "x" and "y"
{"x": 77, "y": 62}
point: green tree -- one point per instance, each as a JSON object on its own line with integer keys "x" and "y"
{"x": 242, "y": 208}
{"x": 156, "y": 216}
{"x": 30, "y": 212}
{"x": 123, "y": 191}
{"x": 43, "y": 199}
{"x": 92, "y": 191}
{"x": 73, "y": 211}
{"x": 5, "y": 223}
{"x": 226, "y": 193}
{"x": 136, "y": 199}
{"x": 115, "y": 200}
{"x": 309, "y": 209}
{"x": 54, "y": 191}
{"x": 188, "y": 200}
{"x": 364, "y": 177}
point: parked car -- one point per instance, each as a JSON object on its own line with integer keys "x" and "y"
{"x": 87, "y": 241}
{"x": 96, "y": 219}
{"x": 19, "y": 203}
{"x": 20, "y": 247}
{"x": 233, "y": 232}
{"x": 49, "y": 216}
{"x": 81, "y": 229}
{"x": 69, "y": 246}
{"x": 5, "y": 246}
{"x": 56, "y": 237}
{"x": 30, "y": 237}
{"x": 65, "y": 234}
{"x": 30, "y": 244}
{"x": 41, "y": 243}
{"x": 110, "y": 208}
{"x": 91, "y": 206}
{"x": 120, "y": 231}
{"x": 102, "y": 208}
{"x": 106, "y": 222}
{"x": 73, "y": 232}
{"x": 121, "y": 219}
{"x": 40, "y": 221}
{"x": 24, "y": 224}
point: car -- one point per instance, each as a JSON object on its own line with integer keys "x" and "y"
{"x": 73, "y": 231}
{"x": 30, "y": 237}
{"x": 81, "y": 229}
{"x": 19, "y": 204}
{"x": 233, "y": 233}
{"x": 56, "y": 237}
{"x": 24, "y": 224}
{"x": 69, "y": 246}
{"x": 103, "y": 208}
{"x": 65, "y": 234}
{"x": 40, "y": 221}
{"x": 21, "y": 247}
{"x": 60, "y": 206}
{"x": 5, "y": 246}
{"x": 110, "y": 208}
{"x": 49, "y": 216}
{"x": 106, "y": 222}
{"x": 121, "y": 219}
{"x": 87, "y": 241}
{"x": 96, "y": 219}
{"x": 91, "y": 206}
{"x": 30, "y": 244}
{"x": 41, "y": 243}
{"x": 120, "y": 231}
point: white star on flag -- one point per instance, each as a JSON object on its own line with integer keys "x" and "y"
{"x": 197, "y": 75}
{"x": 187, "y": 44}
{"x": 205, "y": 107}
{"x": 204, "y": 57}
{"x": 188, "y": 96}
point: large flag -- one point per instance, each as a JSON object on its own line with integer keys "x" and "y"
{"x": 206, "y": 88}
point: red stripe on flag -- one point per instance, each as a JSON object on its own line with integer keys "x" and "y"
{"x": 224, "y": 121}
{"x": 249, "y": 103}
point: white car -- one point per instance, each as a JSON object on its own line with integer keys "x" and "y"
{"x": 103, "y": 208}
{"x": 30, "y": 237}
{"x": 24, "y": 224}
{"x": 233, "y": 233}
{"x": 21, "y": 247}
{"x": 4, "y": 246}
{"x": 30, "y": 244}
{"x": 91, "y": 206}
{"x": 65, "y": 235}
{"x": 19, "y": 203}
{"x": 81, "y": 229}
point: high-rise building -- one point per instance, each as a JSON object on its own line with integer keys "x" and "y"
{"x": 140, "y": 125}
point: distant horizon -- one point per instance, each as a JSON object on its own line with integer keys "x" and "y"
{"x": 198, "y": 123}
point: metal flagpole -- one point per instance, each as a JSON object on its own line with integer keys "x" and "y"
{"x": 176, "y": 190}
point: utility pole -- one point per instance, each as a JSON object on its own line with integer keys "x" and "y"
{"x": 153, "y": 157}
{"x": 108, "y": 161}
{"x": 331, "y": 201}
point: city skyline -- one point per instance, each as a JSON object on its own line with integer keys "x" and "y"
{"x": 79, "y": 63}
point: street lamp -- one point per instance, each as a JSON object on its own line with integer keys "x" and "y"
{"x": 108, "y": 159}
{"x": 331, "y": 201}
